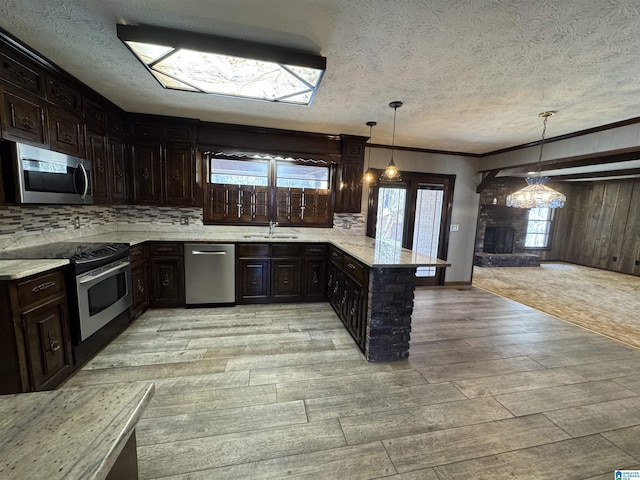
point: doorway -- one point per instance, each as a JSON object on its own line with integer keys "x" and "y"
{"x": 415, "y": 214}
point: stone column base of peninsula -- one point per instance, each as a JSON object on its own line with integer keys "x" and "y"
{"x": 390, "y": 305}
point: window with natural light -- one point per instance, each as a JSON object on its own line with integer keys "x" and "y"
{"x": 301, "y": 176}
{"x": 239, "y": 172}
{"x": 538, "y": 228}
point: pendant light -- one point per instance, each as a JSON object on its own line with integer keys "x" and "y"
{"x": 537, "y": 194}
{"x": 369, "y": 177}
{"x": 391, "y": 173}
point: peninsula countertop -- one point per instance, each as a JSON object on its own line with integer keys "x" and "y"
{"x": 70, "y": 433}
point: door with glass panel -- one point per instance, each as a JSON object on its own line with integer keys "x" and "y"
{"x": 414, "y": 215}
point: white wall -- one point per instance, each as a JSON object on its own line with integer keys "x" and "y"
{"x": 465, "y": 199}
{"x": 604, "y": 141}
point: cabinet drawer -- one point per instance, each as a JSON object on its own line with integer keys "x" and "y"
{"x": 354, "y": 269}
{"x": 38, "y": 288}
{"x": 253, "y": 250}
{"x": 315, "y": 250}
{"x": 137, "y": 254}
{"x": 335, "y": 256}
{"x": 287, "y": 249}
{"x": 165, "y": 250}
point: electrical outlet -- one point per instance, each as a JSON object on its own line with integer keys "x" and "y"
{"x": 184, "y": 220}
{"x": 454, "y": 228}
{"x": 76, "y": 222}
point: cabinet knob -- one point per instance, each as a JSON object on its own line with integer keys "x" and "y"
{"x": 145, "y": 174}
{"x": 315, "y": 277}
{"x": 54, "y": 345}
{"x": 166, "y": 282}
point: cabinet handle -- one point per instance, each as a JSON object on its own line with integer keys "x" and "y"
{"x": 140, "y": 286}
{"x": 165, "y": 249}
{"x": 166, "y": 282}
{"x": 344, "y": 297}
{"x": 119, "y": 173}
{"x": 43, "y": 286}
{"x": 145, "y": 173}
{"x": 100, "y": 167}
{"x": 315, "y": 277}
{"x": 254, "y": 282}
{"x": 26, "y": 122}
{"x": 54, "y": 345}
{"x": 351, "y": 266}
{"x": 330, "y": 279}
{"x": 176, "y": 176}
{"x": 285, "y": 280}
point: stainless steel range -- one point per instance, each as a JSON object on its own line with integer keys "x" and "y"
{"x": 98, "y": 289}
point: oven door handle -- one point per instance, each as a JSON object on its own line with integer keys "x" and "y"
{"x": 209, "y": 252}
{"x": 91, "y": 278}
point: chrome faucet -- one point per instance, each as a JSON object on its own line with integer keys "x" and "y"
{"x": 272, "y": 225}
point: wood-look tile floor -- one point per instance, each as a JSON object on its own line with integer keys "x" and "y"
{"x": 492, "y": 390}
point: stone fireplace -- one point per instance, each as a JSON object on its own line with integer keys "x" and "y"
{"x": 502, "y": 230}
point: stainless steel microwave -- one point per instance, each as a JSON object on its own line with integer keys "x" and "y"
{"x": 37, "y": 175}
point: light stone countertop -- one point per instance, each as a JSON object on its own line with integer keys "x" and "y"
{"x": 369, "y": 251}
{"x": 71, "y": 433}
{"x": 16, "y": 269}
{"x": 365, "y": 249}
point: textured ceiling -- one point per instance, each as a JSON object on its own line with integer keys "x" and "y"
{"x": 473, "y": 75}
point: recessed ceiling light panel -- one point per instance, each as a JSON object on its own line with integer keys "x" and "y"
{"x": 221, "y": 66}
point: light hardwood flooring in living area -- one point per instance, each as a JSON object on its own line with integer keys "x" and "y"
{"x": 492, "y": 390}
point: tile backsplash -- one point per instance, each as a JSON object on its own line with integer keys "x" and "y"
{"x": 24, "y": 226}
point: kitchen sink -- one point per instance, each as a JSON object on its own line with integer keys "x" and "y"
{"x": 267, "y": 237}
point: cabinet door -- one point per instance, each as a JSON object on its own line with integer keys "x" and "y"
{"x": 66, "y": 133}
{"x": 179, "y": 175}
{"x": 349, "y": 188}
{"x": 23, "y": 118}
{"x": 140, "y": 291}
{"x": 47, "y": 341}
{"x": 97, "y": 153}
{"x": 285, "y": 282}
{"x": 117, "y": 152}
{"x": 253, "y": 285}
{"x": 357, "y": 313}
{"x": 147, "y": 187}
{"x": 315, "y": 280}
{"x": 167, "y": 279}
{"x": 316, "y": 207}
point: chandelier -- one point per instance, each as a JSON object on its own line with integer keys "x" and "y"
{"x": 537, "y": 194}
{"x": 391, "y": 173}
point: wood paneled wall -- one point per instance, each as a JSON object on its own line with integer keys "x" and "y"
{"x": 599, "y": 226}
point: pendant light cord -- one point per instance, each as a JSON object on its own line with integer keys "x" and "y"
{"x": 393, "y": 135}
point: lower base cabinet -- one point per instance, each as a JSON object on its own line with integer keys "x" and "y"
{"x": 139, "y": 280}
{"x": 348, "y": 292}
{"x": 166, "y": 266}
{"x": 35, "y": 346}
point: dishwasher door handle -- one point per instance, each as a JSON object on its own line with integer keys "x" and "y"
{"x": 201, "y": 252}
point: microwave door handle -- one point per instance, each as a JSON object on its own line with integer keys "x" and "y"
{"x": 86, "y": 181}
{"x": 91, "y": 278}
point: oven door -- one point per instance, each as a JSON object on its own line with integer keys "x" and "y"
{"x": 103, "y": 294}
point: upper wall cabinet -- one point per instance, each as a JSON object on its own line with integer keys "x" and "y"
{"x": 349, "y": 175}
{"x": 24, "y": 118}
{"x": 20, "y": 72}
{"x": 163, "y": 162}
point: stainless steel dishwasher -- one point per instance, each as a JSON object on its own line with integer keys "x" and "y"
{"x": 209, "y": 271}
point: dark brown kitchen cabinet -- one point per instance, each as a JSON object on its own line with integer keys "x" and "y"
{"x": 21, "y": 72}
{"x": 66, "y": 133}
{"x": 163, "y": 175}
{"x": 108, "y": 156}
{"x": 314, "y": 266}
{"x": 97, "y": 153}
{"x": 35, "y": 348}
{"x": 286, "y": 268}
{"x": 24, "y": 118}
{"x": 60, "y": 93}
{"x": 348, "y": 293}
{"x": 179, "y": 175}
{"x": 349, "y": 175}
{"x": 117, "y": 160}
{"x": 139, "y": 280}
{"x": 252, "y": 273}
{"x": 166, "y": 262}
{"x": 147, "y": 173}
